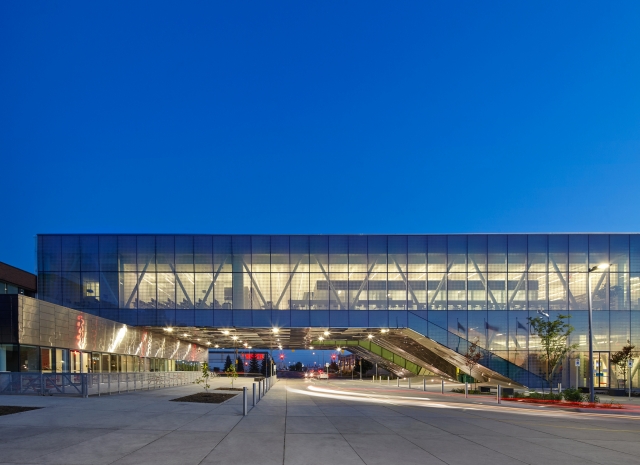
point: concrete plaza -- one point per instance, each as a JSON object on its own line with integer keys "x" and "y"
{"x": 309, "y": 422}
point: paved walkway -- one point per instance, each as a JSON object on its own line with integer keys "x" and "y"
{"x": 302, "y": 422}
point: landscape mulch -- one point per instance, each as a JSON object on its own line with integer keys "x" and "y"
{"x": 9, "y": 409}
{"x": 205, "y": 398}
{"x": 228, "y": 389}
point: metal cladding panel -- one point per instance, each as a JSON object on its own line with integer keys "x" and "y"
{"x": 46, "y": 324}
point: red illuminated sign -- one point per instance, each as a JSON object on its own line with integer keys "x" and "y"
{"x": 81, "y": 335}
{"x": 253, "y": 356}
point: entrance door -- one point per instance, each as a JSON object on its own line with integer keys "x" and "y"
{"x": 601, "y": 369}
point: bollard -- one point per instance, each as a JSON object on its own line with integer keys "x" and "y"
{"x": 424, "y": 384}
{"x": 442, "y": 386}
{"x": 259, "y": 390}
{"x": 559, "y": 388}
{"x": 498, "y": 394}
{"x": 409, "y": 383}
{"x": 398, "y": 382}
{"x": 388, "y": 381}
{"x": 244, "y": 401}
{"x": 466, "y": 389}
{"x": 254, "y": 394}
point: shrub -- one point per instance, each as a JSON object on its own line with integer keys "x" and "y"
{"x": 461, "y": 391}
{"x": 573, "y": 395}
{"x": 537, "y": 395}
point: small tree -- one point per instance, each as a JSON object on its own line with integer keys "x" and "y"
{"x": 554, "y": 337}
{"x": 621, "y": 359}
{"x": 254, "y": 366}
{"x": 472, "y": 357}
{"x": 227, "y": 363}
{"x": 231, "y": 373}
{"x": 204, "y": 378}
{"x": 333, "y": 366}
{"x": 265, "y": 368}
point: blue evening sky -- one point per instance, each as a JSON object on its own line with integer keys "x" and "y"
{"x": 317, "y": 117}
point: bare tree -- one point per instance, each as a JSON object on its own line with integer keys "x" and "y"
{"x": 472, "y": 357}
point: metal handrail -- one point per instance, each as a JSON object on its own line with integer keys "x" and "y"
{"x": 86, "y": 384}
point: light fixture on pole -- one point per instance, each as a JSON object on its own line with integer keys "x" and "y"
{"x": 602, "y": 266}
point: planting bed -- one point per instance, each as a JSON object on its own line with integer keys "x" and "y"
{"x": 205, "y": 398}
{"x": 562, "y": 403}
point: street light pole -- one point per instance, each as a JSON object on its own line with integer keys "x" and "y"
{"x": 591, "y": 388}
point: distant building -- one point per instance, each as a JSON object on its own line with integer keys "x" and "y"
{"x": 16, "y": 281}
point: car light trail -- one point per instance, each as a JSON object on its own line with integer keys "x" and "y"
{"x": 328, "y": 393}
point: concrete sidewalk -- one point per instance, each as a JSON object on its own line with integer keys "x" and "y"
{"x": 295, "y": 423}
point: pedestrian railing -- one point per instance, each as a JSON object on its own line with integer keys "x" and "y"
{"x": 86, "y": 384}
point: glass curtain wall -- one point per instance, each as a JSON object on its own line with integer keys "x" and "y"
{"x": 480, "y": 287}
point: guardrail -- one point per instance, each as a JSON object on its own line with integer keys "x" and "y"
{"x": 86, "y": 384}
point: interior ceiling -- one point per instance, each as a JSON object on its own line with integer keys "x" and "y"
{"x": 417, "y": 348}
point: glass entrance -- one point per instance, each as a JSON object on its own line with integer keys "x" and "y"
{"x": 601, "y": 369}
{"x": 96, "y": 366}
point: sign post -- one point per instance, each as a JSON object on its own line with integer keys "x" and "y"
{"x": 577, "y": 361}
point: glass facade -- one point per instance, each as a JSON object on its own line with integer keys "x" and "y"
{"x": 472, "y": 286}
